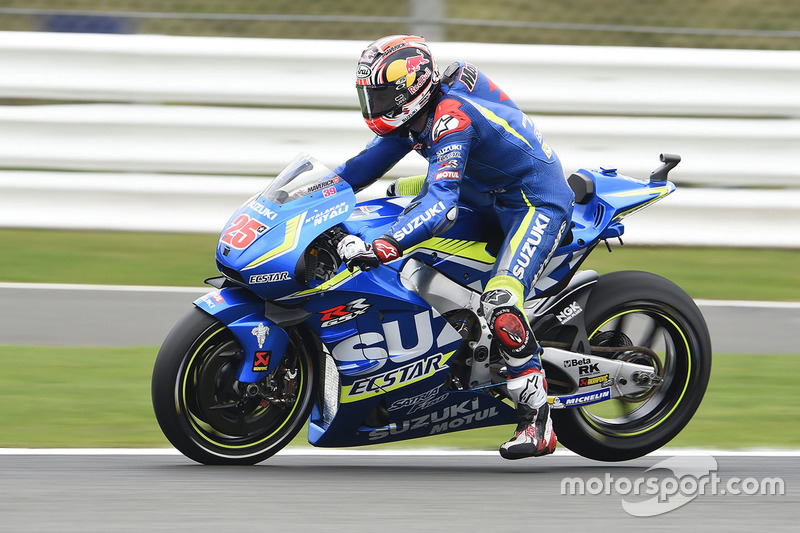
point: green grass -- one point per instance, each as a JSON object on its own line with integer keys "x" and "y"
{"x": 100, "y": 397}
{"x": 724, "y": 273}
{"x": 752, "y": 401}
{"x": 77, "y": 397}
{"x": 187, "y": 259}
{"x": 115, "y": 258}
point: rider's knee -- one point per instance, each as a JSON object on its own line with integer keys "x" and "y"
{"x": 509, "y": 327}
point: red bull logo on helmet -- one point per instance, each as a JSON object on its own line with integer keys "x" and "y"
{"x": 420, "y": 82}
{"x": 413, "y": 63}
{"x": 405, "y": 70}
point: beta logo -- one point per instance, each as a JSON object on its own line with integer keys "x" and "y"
{"x": 576, "y": 362}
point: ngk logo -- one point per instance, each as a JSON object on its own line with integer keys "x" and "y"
{"x": 569, "y": 313}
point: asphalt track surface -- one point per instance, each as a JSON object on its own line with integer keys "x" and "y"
{"x": 75, "y": 315}
{"x": 386, "y": 493}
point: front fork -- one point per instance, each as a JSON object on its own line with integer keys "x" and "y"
{"x": 263, "y": 342}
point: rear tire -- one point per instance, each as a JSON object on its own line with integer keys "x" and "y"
{"x": 207, "y": 415}
{"x": 642, "y": 309}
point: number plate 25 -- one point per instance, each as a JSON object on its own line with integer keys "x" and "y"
{"x": 242, "y": 232}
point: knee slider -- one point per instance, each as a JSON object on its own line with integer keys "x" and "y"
{"x": 508, "y": 325}
{"x": 509, "y": 328}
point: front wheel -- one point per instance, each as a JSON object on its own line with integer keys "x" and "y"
{"x": 627, "y": 310}
{"x": 211, "y": 417}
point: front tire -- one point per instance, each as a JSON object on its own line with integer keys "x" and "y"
{"x": 641, "y": 309}
{"x": 212, "y": 418}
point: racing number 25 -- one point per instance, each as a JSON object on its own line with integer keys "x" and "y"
{"x": 242, "y": 232}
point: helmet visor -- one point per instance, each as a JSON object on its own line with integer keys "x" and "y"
{"x": 381, "y": 101}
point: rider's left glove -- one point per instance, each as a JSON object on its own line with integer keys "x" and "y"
{"x": 357, "y": 253}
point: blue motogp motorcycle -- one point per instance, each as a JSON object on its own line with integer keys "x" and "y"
{"x": 291, "y": 336}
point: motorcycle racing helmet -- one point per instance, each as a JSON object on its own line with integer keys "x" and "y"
{"x": 395, "y": 79}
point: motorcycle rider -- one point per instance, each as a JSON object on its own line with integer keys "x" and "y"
{"x": 484, "y": 152}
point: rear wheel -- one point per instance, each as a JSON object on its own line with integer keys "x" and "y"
{"x": 210, "y": 416}
{"x": 642, "y": 318}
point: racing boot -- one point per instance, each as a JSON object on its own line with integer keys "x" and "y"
{"x": 534, "y": 435}
{"x": 526, "y": 384}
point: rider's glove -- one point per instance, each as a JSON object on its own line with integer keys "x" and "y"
{"x": 357, "y": 253}
{"x": 386, "y": 248}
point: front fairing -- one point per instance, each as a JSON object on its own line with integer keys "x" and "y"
{"x": 263, "y": 243}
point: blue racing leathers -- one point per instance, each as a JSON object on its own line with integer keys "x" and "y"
{"x": 482, "y": 151}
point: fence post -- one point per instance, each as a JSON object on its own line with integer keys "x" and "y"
{"x": 423, "y": 11}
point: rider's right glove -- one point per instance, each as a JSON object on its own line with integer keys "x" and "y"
{"x": 357, "y": 253}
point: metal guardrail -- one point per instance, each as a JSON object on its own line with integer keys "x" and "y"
{"x": 193, "y": 139}
{"x": 734, "y": 116}
{"x": 192, "y": 203}
{"x": 310, "y": 73}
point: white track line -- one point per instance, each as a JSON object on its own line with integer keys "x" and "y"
{"x": 101, "y": 288}
{"x": 202, "y": 289}
{"x": 747, "y": 303}
{"x": 432, "y": 452}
